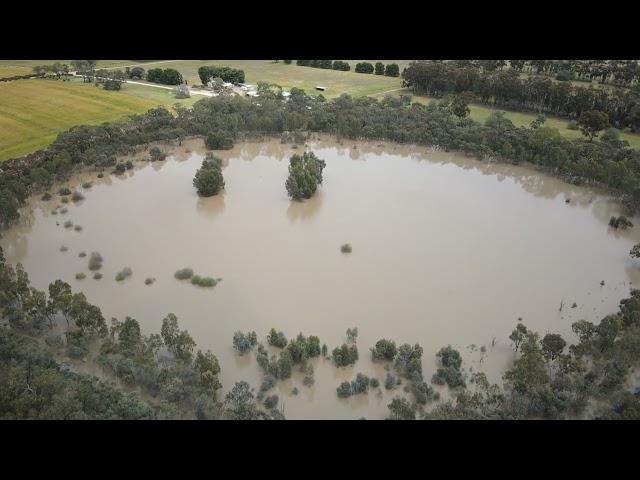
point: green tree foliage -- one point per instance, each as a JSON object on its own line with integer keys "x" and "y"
{"x": 364, "y": 67}
{"x": 167, "y": 76}
{"x": 244, "y": 342}
{"x": 219, "y": 140}
{"x": 179, "y": 342}
{"x": 340, "y": 65}
{"x": 392, "y": 70}
{"x": 384, "y": 350}
{"x": 591, "y": 123}
{"x": 345, "y": 355}
{"x": 379, "y": 68}
{"x": 449, "y": 370}
{"x": 518, "y": 336}
{"x": 208, "y": 180}
{"x": 227, "y": 74}
{"x": 277, "y": 339}
{"x": 137, "y": 73}
{"x": 552, "y": 346}
{"x": 528, "y": 371}
{"x": 305, "y": 174}
{"x": 401, "y": 409}
{"x": 409, "y": 360}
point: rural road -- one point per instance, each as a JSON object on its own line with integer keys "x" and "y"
{"x": 204, "y": 93}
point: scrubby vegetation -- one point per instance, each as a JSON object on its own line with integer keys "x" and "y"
{"x": 123, "y": 274}
{"x": 203, "y": 281}
{"x": 620, "y": 222}
{"x": 156, "y": 155}
{"x": 184, "y": 274}
{"x": 346, "y": 248}
{"x": 95, "y": 261}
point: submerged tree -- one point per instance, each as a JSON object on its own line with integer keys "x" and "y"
{"x": 305, "y": 174}
{"x": 209, "y": 180}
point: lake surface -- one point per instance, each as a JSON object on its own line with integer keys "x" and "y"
{"x": 446, "y": 250}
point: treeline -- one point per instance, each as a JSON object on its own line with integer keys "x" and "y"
{"x": 231, "y": 75}
{"x": 623, "y": 73}
{"x": 505, "y": 88}
{"x": 609, "y": 161}
{"x": 167, "y": 76}
{"x": 390, "y": 70}
{"x": 326, "y": 64}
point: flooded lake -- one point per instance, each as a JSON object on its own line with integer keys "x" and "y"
{"x": 446, "y": 250}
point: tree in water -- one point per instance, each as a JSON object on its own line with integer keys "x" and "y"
{"x": 209, "y": 180}
{"x": 305, "y": 174}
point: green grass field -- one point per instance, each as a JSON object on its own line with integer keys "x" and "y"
{"x": 288, "y": 76}
{"x": 33, "y": 112}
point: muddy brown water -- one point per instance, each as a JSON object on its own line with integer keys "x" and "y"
{"x": 446, "y": 250}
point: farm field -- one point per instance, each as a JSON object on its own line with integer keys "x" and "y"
{"x": 289, "y": 76}
{"x": 33, "y": 112}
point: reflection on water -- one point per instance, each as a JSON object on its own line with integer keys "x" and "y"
{"x": 446, "y": 250}
{"x": 305, "y": 210}
{"x": 211, "y": 206}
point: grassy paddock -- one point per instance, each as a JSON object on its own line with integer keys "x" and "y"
{"x": 33, "y": 112}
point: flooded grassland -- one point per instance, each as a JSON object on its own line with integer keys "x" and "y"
{"x": 446, "y": 250}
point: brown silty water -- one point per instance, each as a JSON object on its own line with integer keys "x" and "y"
{"x": 446, "y": 250}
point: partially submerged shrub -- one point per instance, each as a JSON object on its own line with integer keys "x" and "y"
{"x": 155, "y": 154}
{"x": 77, "y": 196}
{"x": 80, "y": 276}
{"x": 183, "y": 274}
{"x": 126, "y": 272}
{"x": 78, "y": 228}
{"x": 346, "y": 248}
{"x": 621, "y": 222}
{"x": 95, "y": 261}
{"x": 344, "y": 390}
{"x": 68, "y": 224}
{"x": 149, "y": 281}
{"x": 244, "y": 342}
{"x": 64, "y": 248}
{"x": 64, "y": 210}
{"x": 64, "y": 192}
{"x": 87, "y": 185}
{"x": 271, "y": 401}
{"x": 203, "y": 281}
{"x": 97, "y": 276}
{"x": 276, "y": 339}
{"x": 82, "y": 254}
{"x": 64, "y": 199}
